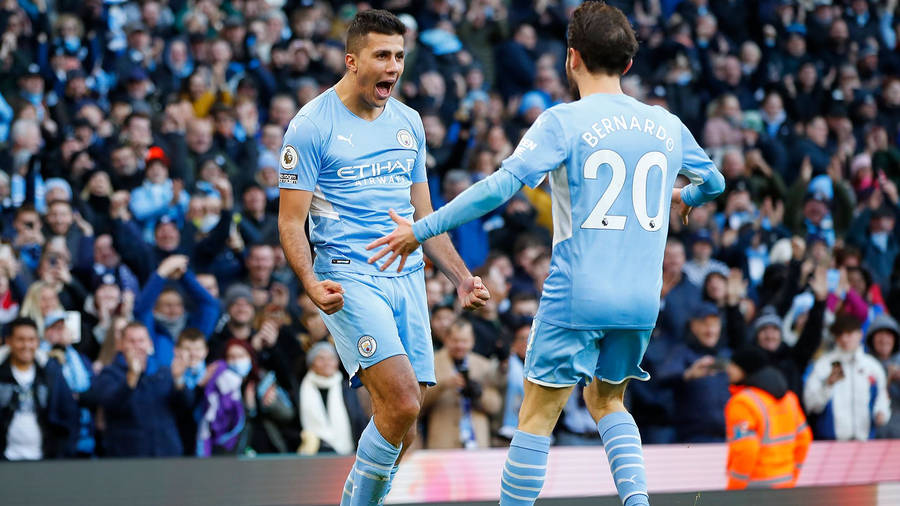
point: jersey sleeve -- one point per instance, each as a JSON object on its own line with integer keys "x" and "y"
{"x": 540, "y": 151}
{"x": 419, "y": 173}
{"x": 706, "y": 180}
{"x": 300, "y": 156}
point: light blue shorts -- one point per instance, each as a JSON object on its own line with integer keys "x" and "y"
{"x": 561, "y": 357}
{"x": 382, "y": 317}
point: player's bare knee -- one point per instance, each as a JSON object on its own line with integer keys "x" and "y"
{"x": 405, "y": 408}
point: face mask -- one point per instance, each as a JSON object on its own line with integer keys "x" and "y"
{"x": 241, "y": 366}
{"x": 72, "y": 43}
{"x": 880, "y": 240}
{"x": 684, "y": 79}
{"x": 33, "y": 98}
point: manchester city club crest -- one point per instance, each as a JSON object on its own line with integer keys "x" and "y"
{"x": 406, "y": 139}
{"x": 366, "y": 346}
{"x": 289, "y": 157}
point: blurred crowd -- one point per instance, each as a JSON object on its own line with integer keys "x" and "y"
{"x": 148, "y": 309}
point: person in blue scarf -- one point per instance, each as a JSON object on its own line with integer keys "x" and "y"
{"x": 76, "y": 369}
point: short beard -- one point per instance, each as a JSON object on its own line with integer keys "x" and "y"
{"x": 573, "y": 86}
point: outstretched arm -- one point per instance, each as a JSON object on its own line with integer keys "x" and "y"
{"x": 476, "y": 201}
{"x": 440, "y": 250}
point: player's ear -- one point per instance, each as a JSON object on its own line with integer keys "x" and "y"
{"x": 350, "y": 62}
{"x": 628, "y": 67}
{"x": 573, "y": 58}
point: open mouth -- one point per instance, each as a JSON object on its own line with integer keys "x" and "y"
{"x": 383, "y": 89}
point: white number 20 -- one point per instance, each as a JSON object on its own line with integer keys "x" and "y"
{"x": 599, "y": 219}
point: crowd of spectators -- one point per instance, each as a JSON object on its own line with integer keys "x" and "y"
{"x": 148, "y": 309}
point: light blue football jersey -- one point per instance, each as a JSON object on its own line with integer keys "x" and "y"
{"x": 612, "y": 162}
{"x": 357, "y": 171}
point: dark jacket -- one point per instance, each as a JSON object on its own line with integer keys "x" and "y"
{"x": 57, "y": 411}
{"x": 792, "y": 361}
{"x": 676, "y": 308}
{"x": 879, "y": 262}
{"x": 699, "y": 403}
{"x": 140, "y": 422}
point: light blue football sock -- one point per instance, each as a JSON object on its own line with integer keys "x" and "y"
{"x": 391, "y": 481}
{"x": 524, "y": 470}
{"x": 375, "y": 459}
{"x": 348, "y": 487}
{"x": 622, "y": 442}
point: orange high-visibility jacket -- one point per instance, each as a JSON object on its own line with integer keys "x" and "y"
{"x": 767, "y": 439}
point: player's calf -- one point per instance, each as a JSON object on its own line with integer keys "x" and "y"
{"x": 621, "y": 440}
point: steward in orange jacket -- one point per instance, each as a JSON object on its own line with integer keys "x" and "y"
{"x": 768, "y": 437}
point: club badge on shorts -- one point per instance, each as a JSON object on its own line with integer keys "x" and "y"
{"x": 366, "y": 346}
{"x": 405, "y": 139}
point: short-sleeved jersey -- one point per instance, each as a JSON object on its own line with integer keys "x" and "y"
{"x": 612, "y": 162}
{"x": 357, "y": 171}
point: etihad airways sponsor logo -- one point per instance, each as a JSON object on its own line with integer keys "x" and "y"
{"x": 385, "y": 172}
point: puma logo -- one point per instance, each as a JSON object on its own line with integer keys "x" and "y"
{"x": 627, "y": 480}
{"x": 349, "y": 139}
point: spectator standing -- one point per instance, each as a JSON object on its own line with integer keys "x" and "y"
{"x": 768, "y": 437}
{"x": 696, "y": 372}
{"x": 847, "y": 388}
{"x": 767, "y": 333}
{"x": 459, "y": 408}
{"x": 37, "y": 411}
{"x": 139, "y": 398}
{"x": 330, "y": 411}
{"x": 163, "y": 312}
{"x": 883, "y": 343}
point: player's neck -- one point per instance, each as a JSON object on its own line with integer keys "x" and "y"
{"x": 599, "y": 83}
{"x": 346, "y": 92}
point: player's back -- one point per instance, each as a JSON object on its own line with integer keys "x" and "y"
{"x": 611, "y": 203}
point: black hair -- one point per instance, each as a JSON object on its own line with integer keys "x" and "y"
{"x": 21, "y": 321}
{"x": 372, "y": 21}
{"x": 603, "y": 37}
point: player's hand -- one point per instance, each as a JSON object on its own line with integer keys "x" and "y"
{"x": 327, "y": 295}
{"x": 472, "y": 293}
{"x": 677, "y": 203}
{"x": 402, "y": 242}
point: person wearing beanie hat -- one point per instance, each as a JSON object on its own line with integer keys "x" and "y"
{"x": 330, "y": 413}
{"x": 767, "y": 332}
{"x": 240, "y": 314}
{"x": 768, "y": 437}
{"x": 883, "y": 343}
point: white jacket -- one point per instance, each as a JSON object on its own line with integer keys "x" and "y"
{"x": 852, "y": 410}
